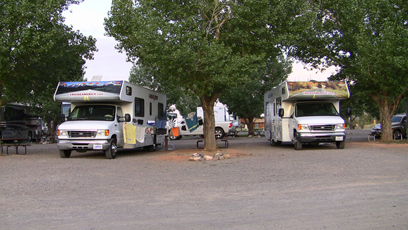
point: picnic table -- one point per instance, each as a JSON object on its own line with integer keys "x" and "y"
{"x": 15, "y": 142}
{"x": 221, "y": 140}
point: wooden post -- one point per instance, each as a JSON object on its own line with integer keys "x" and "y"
{"x": 166, "y": 143}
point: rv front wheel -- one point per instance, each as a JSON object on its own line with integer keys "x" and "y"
{"x": 297, "y": 143}
{"x": 65, "y": 153}
{"x": 110, "y": 153}
{"x": 340, "y": 144}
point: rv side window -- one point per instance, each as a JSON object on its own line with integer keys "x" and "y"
{"x": 128, "y": 90}
{"x": 160, "y": 110}
{"x": 277, "y": 105}
{"x": 267, "y": 109}
{"x": 139, "y": 107}
{"x": 120, "y": 113}
{"x": 273, "y": 109}
{"x": 150, "y": 108}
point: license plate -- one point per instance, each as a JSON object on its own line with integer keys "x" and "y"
{"x": 339, "y": 138}
{"x": 97, "y": 147}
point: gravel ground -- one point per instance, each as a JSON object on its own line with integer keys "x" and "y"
{"x": 364, "y": 186}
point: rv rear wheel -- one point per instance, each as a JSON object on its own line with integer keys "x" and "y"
{"x": 273, "y": 143}
{"x": 171, "y": 137}
{"x": 150, "y": 148}
{"x": 219, "y": 133}
{"x": 65, "y": 153}
{"x": 110, "y": 153}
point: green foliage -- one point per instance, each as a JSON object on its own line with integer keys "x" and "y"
{"x": 176, "y": 94}
{"x": 206, "y": 46}
{"x": 247, "y": 100}
{"x": 38, "y": 50}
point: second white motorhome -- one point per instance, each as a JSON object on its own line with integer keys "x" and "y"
{"x": 107, "y": 115}
{"x": 305, "y": 112}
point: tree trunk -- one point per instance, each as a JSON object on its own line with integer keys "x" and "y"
{"x": 387, "y": 111}
{"x": 250, "y": 124}
{"x": 386, "y": 126}
{"x": 207, "y": 102}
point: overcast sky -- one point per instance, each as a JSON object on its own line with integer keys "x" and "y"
{"x": 88, "y": 18}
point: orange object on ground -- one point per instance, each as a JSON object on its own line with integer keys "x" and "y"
{"x": 175, "y": 131}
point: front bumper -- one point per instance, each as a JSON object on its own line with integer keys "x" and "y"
{"x": 83, "y": 145}
{"x": 321, "y": 137}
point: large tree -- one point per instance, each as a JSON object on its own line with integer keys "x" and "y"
{"x": 37, "y": 51}
{"x": 368, "y": 39}
{"x": 205, "y": 46}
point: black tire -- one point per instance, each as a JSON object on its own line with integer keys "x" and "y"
{"x": 65, "y": 153}
{"x": 297, "y": 143}
{"x": 173, "y": 138}
{"x": 340, "y": 144}
{"x": 396, "y": 135}
{"x": 150, "y": 148}
{"x": 219, "y": 133}
{"x": 273, "y": 143}
{"x": 30, "y": 136}
{"x": 110, "y": 153}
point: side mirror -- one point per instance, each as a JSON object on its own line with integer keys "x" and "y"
{"x": 63, "y": 117}
{"x": 121, "y": 119}
{"x": 127, "y": 117}
{"x": 281, "y": 112}
{"x": 200, "y": 122}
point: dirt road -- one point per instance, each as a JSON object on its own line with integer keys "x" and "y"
{"x": 364, "y": 186}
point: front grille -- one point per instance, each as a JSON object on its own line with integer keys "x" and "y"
{"x": 322, "y": 139}
{"x": 82, "y": 133}
{"x": 80, "y": 146}
{"x": 322, "y": 127}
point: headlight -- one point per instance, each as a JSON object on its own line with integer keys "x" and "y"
{"x": 340, "y": 126}
{"x": 61, "y": 133}
{"x": 303, "y": 127}
{"x": 102, "y": 132}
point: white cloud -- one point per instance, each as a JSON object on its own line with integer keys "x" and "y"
{"x": 304, "y": 72}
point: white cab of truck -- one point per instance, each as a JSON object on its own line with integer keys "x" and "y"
{"x": 305, "y": 113}
{"x": 107, "y": 115}
{"x": 221, "y": 117}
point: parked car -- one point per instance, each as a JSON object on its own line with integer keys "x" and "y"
{"x": 399, "y": 127}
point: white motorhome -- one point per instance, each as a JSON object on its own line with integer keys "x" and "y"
{"x": 106, "y": 115}
{"x": 305, "y": 112}
{"x": 222, "y": 123}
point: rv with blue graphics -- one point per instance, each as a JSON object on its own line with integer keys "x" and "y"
{"x": 107, "y": 115}
{"x": 305, "y": 113}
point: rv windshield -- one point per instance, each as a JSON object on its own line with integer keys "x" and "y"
{"x": 316, "y": 109}
{"x": 93, "y": 112}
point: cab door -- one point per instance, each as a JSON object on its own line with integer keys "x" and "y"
{"x": 119, "y": 126}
